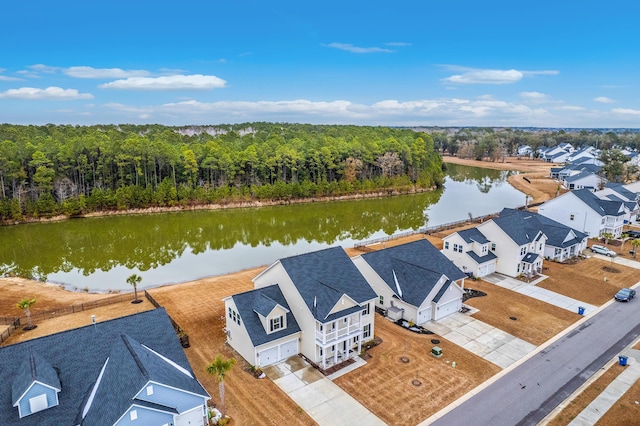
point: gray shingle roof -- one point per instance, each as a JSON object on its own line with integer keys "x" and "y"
{"x": 620, "y": 189}
{"x": 579, "y": 176}
{"x": 78, "y": 356}
{"x": 33, "y": 367}
{"x": 418, "y": 266}
{"x": 556, "y": 232}
{"x": 481, "y": 259}
{"x": 322, "y": 277}
{"x": 246, "y": 303}
{"x": 601, "y": 207}
{"x": 521, "y": 233}
{"x": 473, "y": 234}
{"x": 530, "y": 257}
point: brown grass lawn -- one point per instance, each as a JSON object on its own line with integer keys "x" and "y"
{"x": 385, "y": 386}
{"x": 579, "y": 403}
{"x": 198, "y": 308}
{"x": 585, "y": 280}
{"x": 625, "y": 411}
{"x": 536, "y": 321}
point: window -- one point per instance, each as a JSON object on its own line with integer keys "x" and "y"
{"x": 484, "y": 249}
{"x": 457, "y": 247}
{"x": 366, "y": 331}
{"x": 446, "y": 245}
{"x": 230, "y": 311}
{"x": 366, "y": 310}
{"x": 355, "y": 339}
{"x": 540, "y": 247}
{"x": 235, "y": 317}
{"x": 276, "y": 323}
{"x": 518, "y": 270}
{"x": 571, "y": 216}
{"x": 320, "y": 351}
{"x": 381, "y": 300}
{"x": 133, "y": 414}
{"x": 523, "y": 250}
{"x": 149, "y": 390}
{"x": 493, "y": 246}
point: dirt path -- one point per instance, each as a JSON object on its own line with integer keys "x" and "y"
{"x": 539, "y": 185}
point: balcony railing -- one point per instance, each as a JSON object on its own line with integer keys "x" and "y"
{"x": 327, "y": 336}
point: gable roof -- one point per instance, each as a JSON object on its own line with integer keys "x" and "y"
{"x": 33, "y": 368}
{"x": 79, "y": 355}
{"x": 246, "y": 303}
{"x": 601, "y": 207}
{"x": 417, "y": 266}
{"x": 473, "y": 234}
{"x": 622, "y": 190}
{"x": 521, "y": 233}
{"x": 580, "y": 176}
{"x": 322, "y": 277}
{"x": 555, "y": 232}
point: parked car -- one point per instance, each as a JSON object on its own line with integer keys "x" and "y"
{"x": 603, "y": 250}
{"x": 625, "y": 295}
{"x": 633, "y": 234}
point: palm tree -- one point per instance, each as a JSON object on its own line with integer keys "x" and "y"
{"x": 25, "y": 305}
{"x": 607, "y": 236}
{"x": 219, "y": 368}
{"x": 134, "y": 280}
{"x": 635, "y": 243}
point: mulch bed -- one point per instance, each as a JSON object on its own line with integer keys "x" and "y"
{"x": 470, "y": 293}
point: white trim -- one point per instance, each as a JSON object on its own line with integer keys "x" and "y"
{"x": 17, "y": 404}
{"x": 170, "y": 362}
{"x": 87, "y": 406}
{"x": 140, "y": 393}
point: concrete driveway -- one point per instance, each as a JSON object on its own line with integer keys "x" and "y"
{"x": 322, "y": 399}
{"x": 492, "y": 344}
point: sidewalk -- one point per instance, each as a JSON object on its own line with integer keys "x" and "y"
{"x": 548, "y": 296}
{"x": 613, "y": 392}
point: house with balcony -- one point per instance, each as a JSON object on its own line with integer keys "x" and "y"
{"x": 414, "y": 281}
{"x": 586, "y": 212}
{"x": 127, "y": 371}
{"x": 618, "y": 192}
{"x": 316, "y": 304}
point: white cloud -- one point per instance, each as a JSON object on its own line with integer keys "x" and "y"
{"x": 43, "y": 68}
{"x": 626, "y": 111}
{"x": 603, "y": 100}
{"x": 171, "y": 82}
{"x": 534, "y": 97}
{"x": 356, "y": 49}
{"x": 90, "y": 72}
{"x": 50, "y": 93}
{"x": 397, "y": 44}
{"x": 490, "y": 76}
{"x": 571, "y": 108}
{"x": 7, "y": 78}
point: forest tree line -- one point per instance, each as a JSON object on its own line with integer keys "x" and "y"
{"x": 72, "y": 170}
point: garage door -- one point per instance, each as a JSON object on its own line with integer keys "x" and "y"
{"x": 448, "y": 308}
{"x": 288, "y": 349}
{"x": 424, "y": 315}
{"x": 268, "y": 357}
{"x": 190, "y": 418}
{"x": 278, "y": 353}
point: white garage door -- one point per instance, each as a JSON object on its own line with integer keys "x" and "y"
{"x": 288, "y": 349}
{"x": 447, "y": 309}
{"x": 424, "y": 315}
{"x": 278, "y": 353}
{"x": 482, "y": 271}
{"x": 190, "y": 418}
{"x": 268, "y": 357}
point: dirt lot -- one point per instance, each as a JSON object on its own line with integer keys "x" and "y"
{"x": 385, "y": 385}
{"x": 536, "y": 321}
{"x": 586, "y": 280}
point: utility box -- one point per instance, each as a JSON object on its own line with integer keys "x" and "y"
{"x": 436, "y": 351}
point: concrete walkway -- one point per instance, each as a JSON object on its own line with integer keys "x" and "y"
{"x": 620, "y": 385}
{"x": 482, "y": 339}
{"x": 318, "y": 396}
{"x": 548, "y": 296}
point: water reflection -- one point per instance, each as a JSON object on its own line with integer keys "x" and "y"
{"x": 99, "y": 253}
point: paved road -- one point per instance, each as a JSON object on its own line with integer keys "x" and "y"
{"x": 527, "y": 394}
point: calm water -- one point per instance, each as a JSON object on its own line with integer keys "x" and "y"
{"x": 100, "y": 253}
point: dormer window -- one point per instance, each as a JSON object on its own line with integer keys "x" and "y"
{"x": 276, "y": 324}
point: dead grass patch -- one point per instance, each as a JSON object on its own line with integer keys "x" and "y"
{"x": 386, "y": 384}
{"x": 585, "y": 281}
{"x": 536, "y": 321}
{"x": 626, "y": 410}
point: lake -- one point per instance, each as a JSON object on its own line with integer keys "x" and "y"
{"x": 98, "y": 254}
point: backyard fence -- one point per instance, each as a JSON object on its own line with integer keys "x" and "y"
{"x": 184, "y": 338}
{"x": 430, "y": 230}
{"x": 66, "y": 310}
{"x": 13, "y": 324}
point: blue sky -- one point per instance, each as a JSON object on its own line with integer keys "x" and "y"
{"x": 497, "y": 63}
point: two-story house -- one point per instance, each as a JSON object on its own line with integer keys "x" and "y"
{"x": 583, "y": 210}
{"x": 414, "y": 281}
{"x": 471, "y": 251}
{"x": 127, "y": 371}
{"x": 318, "y": 302}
